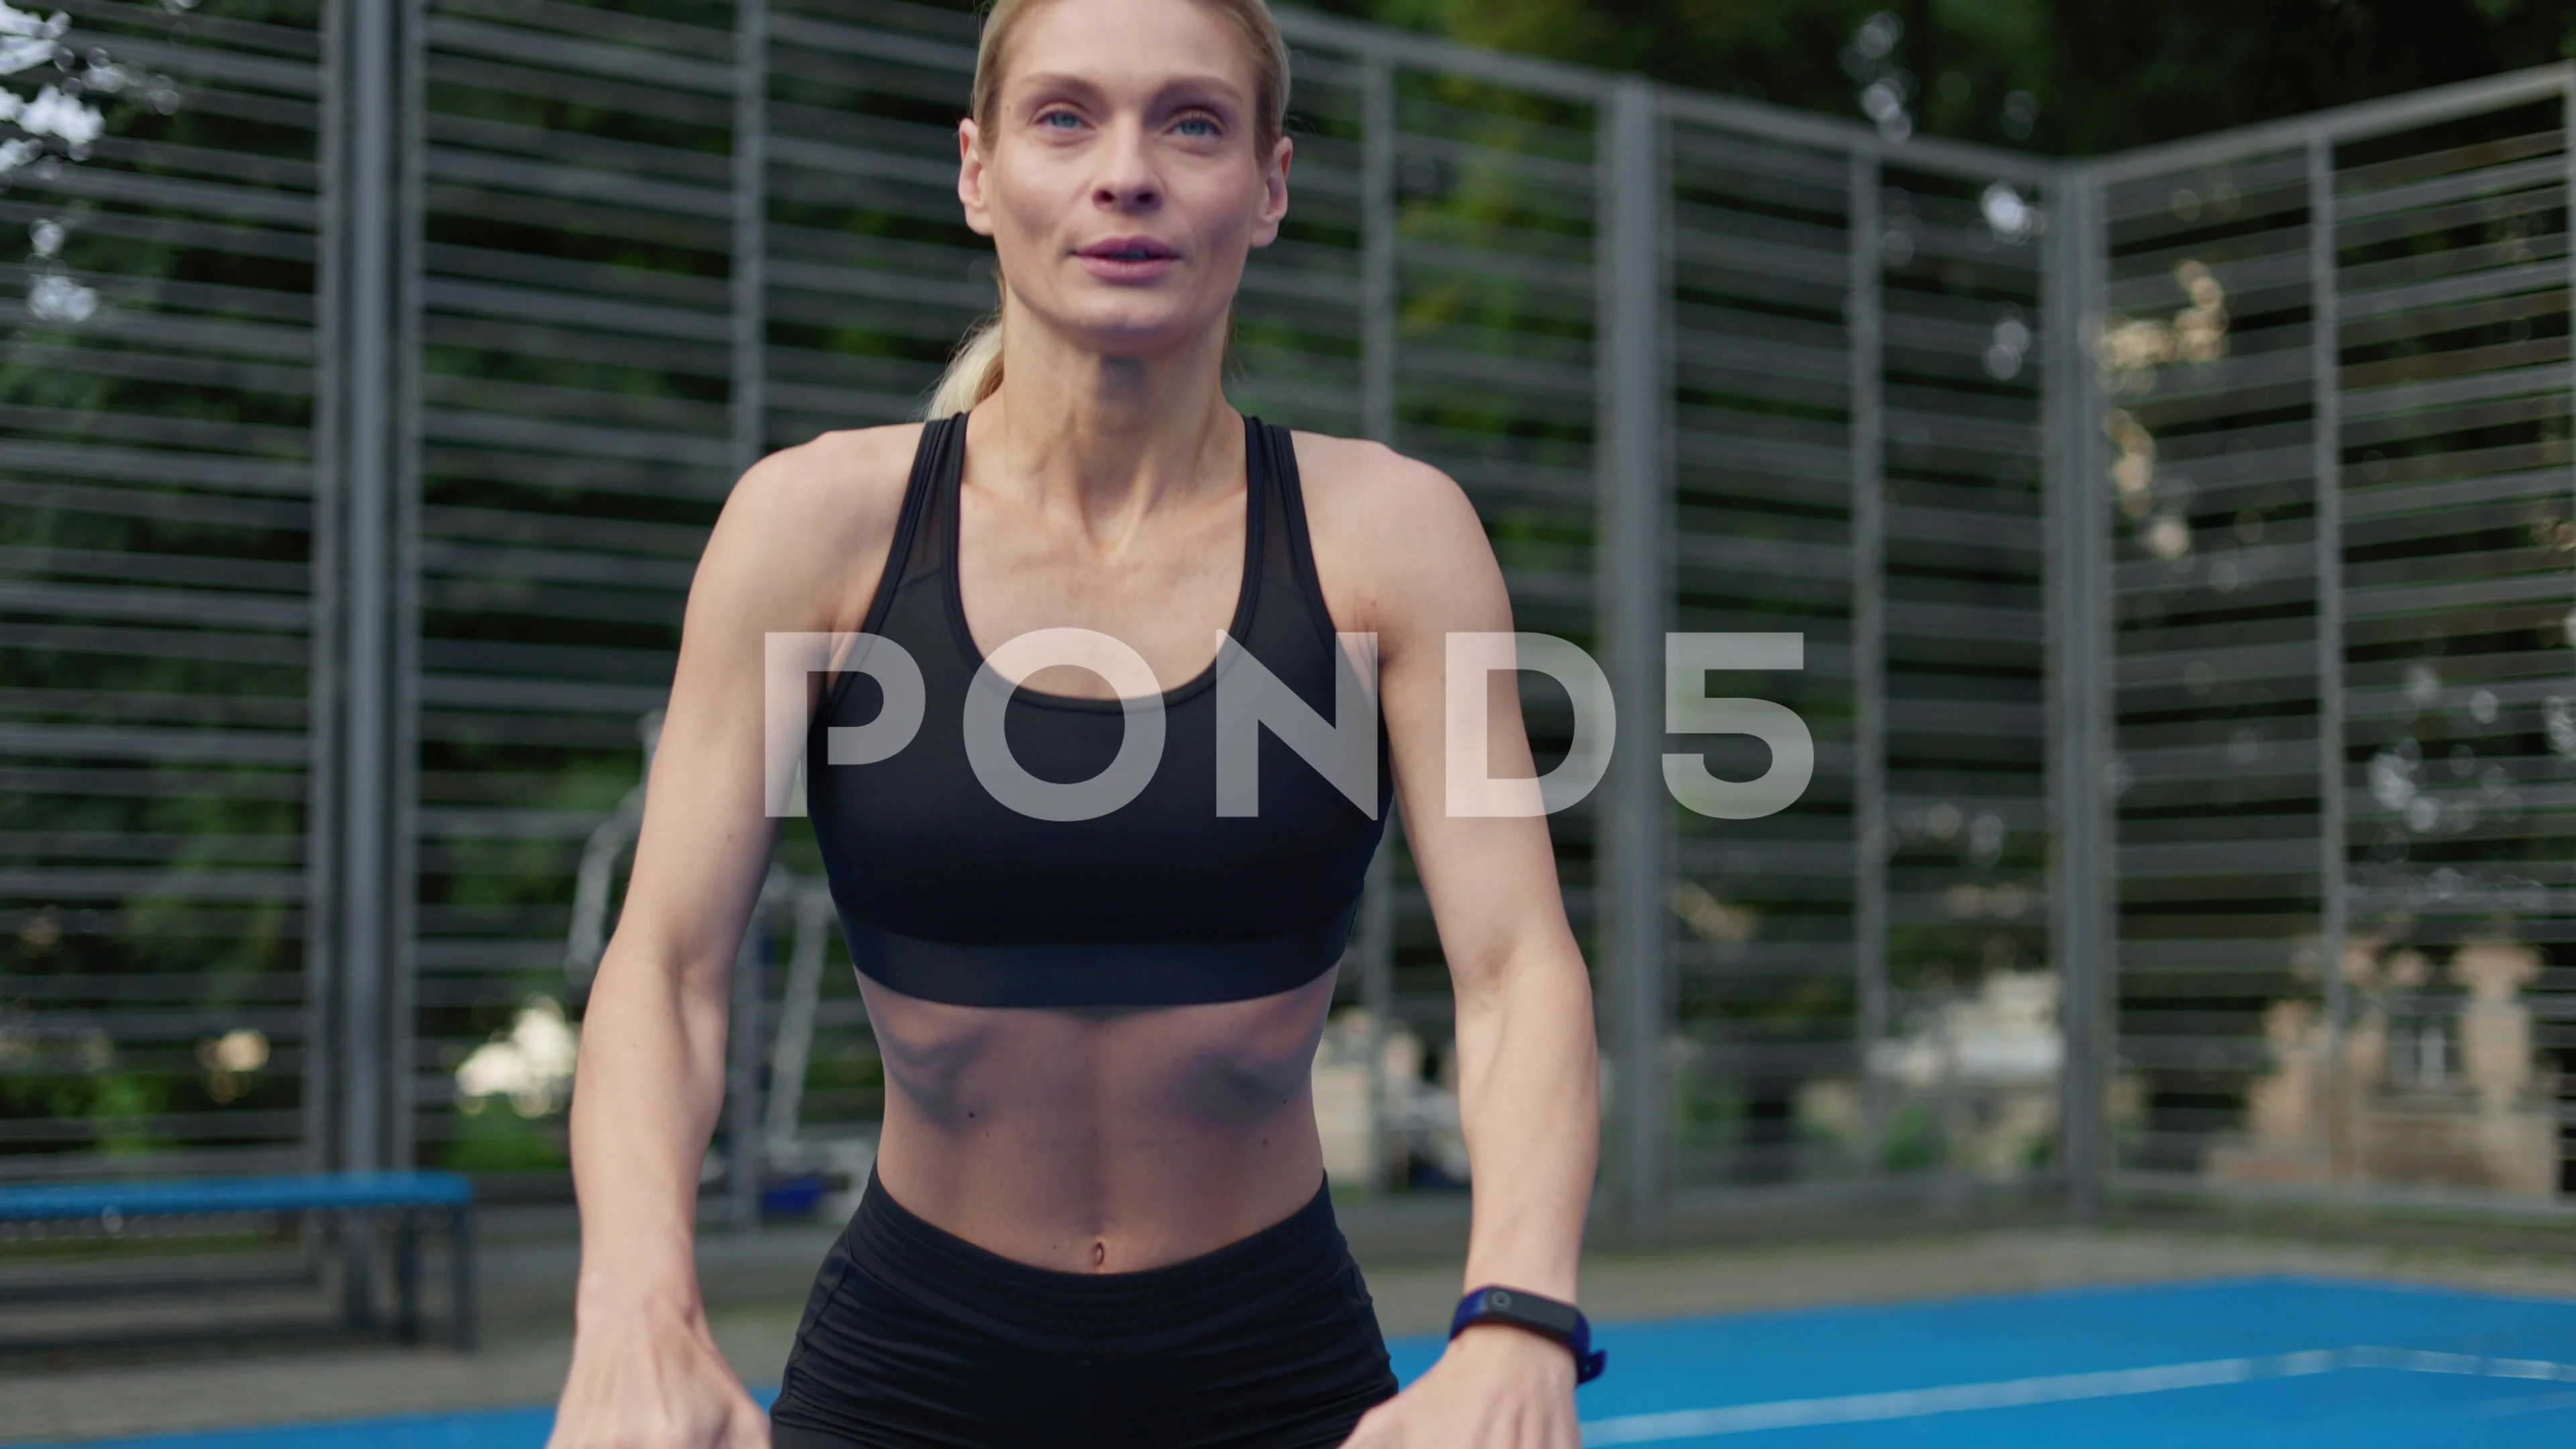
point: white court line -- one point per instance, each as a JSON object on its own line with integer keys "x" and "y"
{"x": 2051, "y": 1389}
{"x": 2527, "y": 1404}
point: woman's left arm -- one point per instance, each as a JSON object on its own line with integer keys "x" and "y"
{"x": 1528, "y": 1074}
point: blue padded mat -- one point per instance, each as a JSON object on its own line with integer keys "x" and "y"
{"x": 2255, "y": 1362}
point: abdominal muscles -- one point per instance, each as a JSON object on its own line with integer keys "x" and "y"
{"x": 1100, "y": 1139}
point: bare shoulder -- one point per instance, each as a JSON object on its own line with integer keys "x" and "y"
{"x": 850, "y": 478}
{"x": 807, "y": 528}
{"x": 1390, "y": 532}
{"x": 1371, "y": 486}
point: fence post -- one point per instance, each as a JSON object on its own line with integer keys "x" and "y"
{"x": 749, "y": 399}
{"x": 742, "y": 1115}
{"x": 2332, "y": 911}
{"x": 2080, "y": 643}
{"x": 410, "y": 235}
{"x": 1374, "y": 950}
{"x": 357, "y": 555}
{"x": 1378, "y": 290}
{"x": 322, "y": 740}
{"x": 1862, "y": 312}
{"x": 1632, "y": 855}
{"x": 1379, "y": 298}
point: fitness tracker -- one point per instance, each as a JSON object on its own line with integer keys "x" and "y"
{"x": 1543, "y": 1316}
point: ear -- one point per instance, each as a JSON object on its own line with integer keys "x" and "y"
{"x": 1274, "y": 194}
{"x": 970, "y": 179}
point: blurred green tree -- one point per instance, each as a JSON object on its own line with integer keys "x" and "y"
{"x": 2090, "y": 76}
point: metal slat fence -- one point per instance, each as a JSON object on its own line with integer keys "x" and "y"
{"x": 158, "y": 991}
{"x": 2336, "y": 354}
{"x": 2182, "y": 581}
{"x": 574, "y": 363}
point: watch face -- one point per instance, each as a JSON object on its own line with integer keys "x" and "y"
{"x": 1562, "y": 1322}
{"x": 1529, "y": 1310}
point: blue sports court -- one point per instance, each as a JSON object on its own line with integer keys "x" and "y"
{"x": 2254, "y": 1362}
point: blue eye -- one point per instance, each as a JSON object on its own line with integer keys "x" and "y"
{"x": 1198, "y": 126}
{"x": 1052, "y": 117}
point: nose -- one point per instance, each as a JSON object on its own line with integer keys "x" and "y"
{"x": 1127, "y": 179}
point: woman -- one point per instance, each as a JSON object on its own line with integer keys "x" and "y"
{"x": 1097, "y": 1215}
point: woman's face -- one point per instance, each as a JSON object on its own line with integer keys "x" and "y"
{"x": 1118, "y": 180}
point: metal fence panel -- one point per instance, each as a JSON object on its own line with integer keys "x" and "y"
{"x": 872, "y": 277}
{"x": 385, "y": 603}
{"x": 1973, "y": 1048}
{"x": 2207, "y": 350}
{"x": 1772, "y": 427}
{"x": 571, "y": 341}
{"x": 1865, "y": 980}
{"x": 1450, "y": 250}
{"x": 2338, "y": 420}
{"x": 157, "y": 731}
{"x": 2457, "y": 713}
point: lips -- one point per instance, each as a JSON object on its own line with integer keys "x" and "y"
{"x": 1129, "y": 260}
{"x": 1130, "y": 249}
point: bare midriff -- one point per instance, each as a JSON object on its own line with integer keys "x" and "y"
{"x": 1100, "y": 1139}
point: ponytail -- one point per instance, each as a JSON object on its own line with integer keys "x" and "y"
{"x": 972, "y": 375}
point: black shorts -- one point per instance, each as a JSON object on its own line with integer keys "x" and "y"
{"x": 915, "y": 1337}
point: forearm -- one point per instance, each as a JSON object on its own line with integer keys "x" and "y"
{"x": 649, "y": 1086}
{"x": 1529, "y": 1089}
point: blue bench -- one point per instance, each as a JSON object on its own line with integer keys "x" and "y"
{"x": 407, "y": 1199}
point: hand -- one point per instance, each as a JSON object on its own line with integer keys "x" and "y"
{"x": 651, "y": 1378}
{"x": 1497, "y": 1387}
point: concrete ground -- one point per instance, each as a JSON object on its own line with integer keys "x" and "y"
{"x": 755, "y": 1290}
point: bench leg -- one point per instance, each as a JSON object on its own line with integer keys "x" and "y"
{"x": 460, "y": 1233}
{"x": 357, "y": 1269}
{"x": 407, "y": 1275}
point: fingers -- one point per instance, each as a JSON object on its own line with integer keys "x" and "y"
{"x": 747, "y": 1430}
{"x": 687, "y": 1398}
{"x": 1430, "y": 1415}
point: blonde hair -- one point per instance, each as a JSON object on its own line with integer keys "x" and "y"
{"x": 975, "y": 370}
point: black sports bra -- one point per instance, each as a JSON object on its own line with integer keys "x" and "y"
{"x": 949, "y": 894}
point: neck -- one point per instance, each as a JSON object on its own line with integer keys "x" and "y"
{"x": 1099, "y": 438}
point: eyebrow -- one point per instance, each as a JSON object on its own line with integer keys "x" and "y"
{"x": 1192, "y": 82}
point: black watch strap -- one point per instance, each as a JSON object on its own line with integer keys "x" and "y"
{"x": 1545, "y": 1317}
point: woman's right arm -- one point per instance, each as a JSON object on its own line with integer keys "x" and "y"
{"x": 801, "y": 537}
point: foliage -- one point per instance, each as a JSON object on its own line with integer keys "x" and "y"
{"x": 167, "y": 965}
{"x": 500, "y": 1140}
{"x": 2103, "y": 76}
